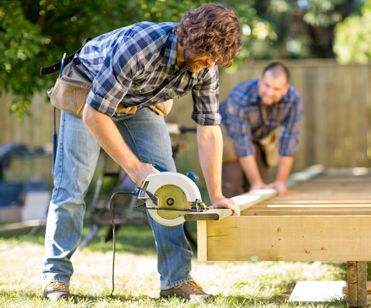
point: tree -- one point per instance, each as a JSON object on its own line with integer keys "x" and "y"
{"x": 301, "y": 28}
{"x": 353, "y": 37}
{"x": 37, "y": 33}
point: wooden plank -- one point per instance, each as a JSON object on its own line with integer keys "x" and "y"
{"x": 244, "y": 201}
{"x": 355, "y": 171}
{"x": 320, "y": 204}
{"x": 307, "y": 211}
{"x": 352, "y": 284}
{"x": 290, "y": 238}
{"x": 356, "y": 284}
{"x": 202, "y": 241}
{"x": 305, "y": 175}
{"x": 345, "y": 289}
{"x": 249, "y": 199}
{"x": 367, "y": 88}
{"x": 347, "y": 202}
{"x": 362, "y": 284}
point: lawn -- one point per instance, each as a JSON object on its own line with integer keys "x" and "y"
{"x": 234, "y": 284}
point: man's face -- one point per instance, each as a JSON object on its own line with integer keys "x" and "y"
{"x": 196, "y": 63}
{"x": 272, "y": 89}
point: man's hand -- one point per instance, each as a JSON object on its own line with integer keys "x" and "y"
{"x": 279, "y": 186}
{"x": 225, "y": 203}
{"x": 140, "y": 172}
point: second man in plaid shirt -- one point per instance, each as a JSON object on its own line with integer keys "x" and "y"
{"x": 252, "y": 115}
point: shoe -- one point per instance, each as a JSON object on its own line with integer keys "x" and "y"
{"x": 57, "y": 290}
{"x": 189, "y": 290}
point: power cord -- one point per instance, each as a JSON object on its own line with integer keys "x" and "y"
{"x": 111, "y": 206}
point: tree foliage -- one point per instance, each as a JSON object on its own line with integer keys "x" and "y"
{"x": 302, "y": 28}
{"x": 37, "y": 33}
{"x": 353, "y": 37}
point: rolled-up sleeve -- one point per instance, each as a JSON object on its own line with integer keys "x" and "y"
{"x": 114, "y": 79}
{"x": 206, "y": 99}
{"x": 290, "y": 133}
{"x": 236, "y": 122}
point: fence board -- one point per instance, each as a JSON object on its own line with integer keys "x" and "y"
{"x": 336, "y": 130}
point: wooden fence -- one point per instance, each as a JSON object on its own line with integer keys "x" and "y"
{"x": 336, "y": 129}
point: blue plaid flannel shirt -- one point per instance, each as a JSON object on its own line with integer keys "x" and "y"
{"x": 242, "y": 115}
{"x": 136, "y": 66}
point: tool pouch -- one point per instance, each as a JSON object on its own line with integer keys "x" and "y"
{"x": 70, "y": 91}
{"x": 270, "y": 146}
{"x": 229, "y": 154}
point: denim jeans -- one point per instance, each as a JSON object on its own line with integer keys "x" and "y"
{"x": 146, "y": 134}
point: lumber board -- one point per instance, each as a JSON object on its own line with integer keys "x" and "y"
{"x": 356, "y": 290}
{"x": 345, "y": 289}
{"x": 244, "y": 201}
{"x": 362, "y": 284}
{"x": 249, "y": 199}
{"x": 202, "y": 241}
{"x": 308, "y": 211}
{"x": 290, "y": 238}
{"x": 315, "y": 205}
{"x": 347, "y": 202}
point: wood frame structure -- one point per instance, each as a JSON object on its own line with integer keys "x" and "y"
{"x": 325, "y": 219}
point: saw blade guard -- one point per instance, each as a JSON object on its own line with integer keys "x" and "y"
{"x": 174, "y": 191}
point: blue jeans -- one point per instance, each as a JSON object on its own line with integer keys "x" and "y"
{"x": 146, "y": 134}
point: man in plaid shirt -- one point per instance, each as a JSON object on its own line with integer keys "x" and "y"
{"x": 131, "y": 69}
{"x": 251, "y": 115}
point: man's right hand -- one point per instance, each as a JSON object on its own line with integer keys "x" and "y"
{"x": 140, "y": 172}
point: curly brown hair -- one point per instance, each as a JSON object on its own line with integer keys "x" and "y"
{"x": 211, "y": 30}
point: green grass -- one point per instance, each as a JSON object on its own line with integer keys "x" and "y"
{"x": 234, "y": 284}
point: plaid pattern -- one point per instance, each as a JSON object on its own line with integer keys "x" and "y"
{"x": 136, "y": 66}
{"x": 247, "y": 121}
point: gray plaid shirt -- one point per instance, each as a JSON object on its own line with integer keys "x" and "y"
{"x": 136, "y": 66}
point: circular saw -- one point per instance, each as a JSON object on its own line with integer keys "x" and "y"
{"x": 169, "y": 195}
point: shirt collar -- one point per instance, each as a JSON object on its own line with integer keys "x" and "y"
{"x": 170, "y": 48}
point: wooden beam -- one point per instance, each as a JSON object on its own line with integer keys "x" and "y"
{"x": 305, "y": 175}
{"x": 346, "y": 202}
{"x": 356, "y": 284}
{"x": 289, "y": 238}
{"x": 202, "y": 241}
{"x": 244, "y": 201}
{"x": 362, "y": 284}
{"x": 247, "y": 200}
{"x": 306, "y": 211}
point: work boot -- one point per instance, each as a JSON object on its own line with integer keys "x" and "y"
{"x": 189, "y": 290}
{"x": 56, "y": 290}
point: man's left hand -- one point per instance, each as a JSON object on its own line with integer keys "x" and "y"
{"x": 225, "y": 203}
{"x": 279, "y": 186}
